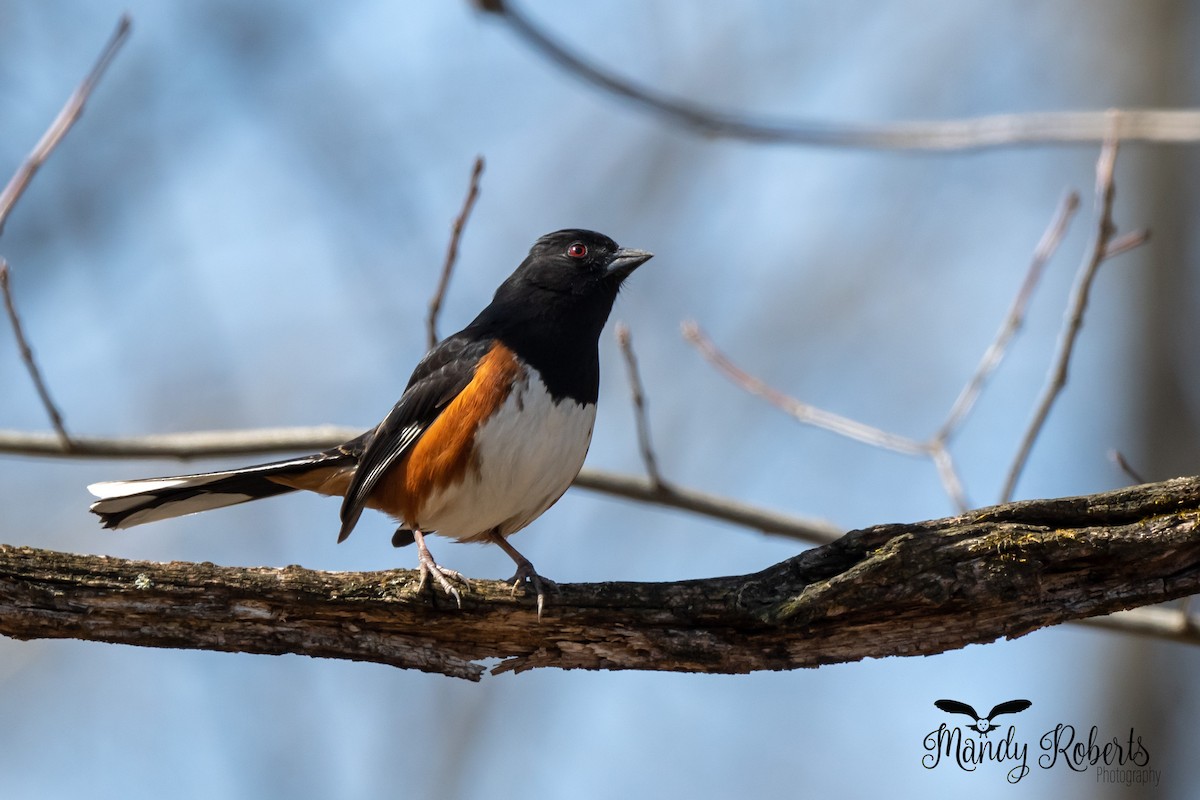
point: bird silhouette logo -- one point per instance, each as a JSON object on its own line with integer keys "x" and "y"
{"x": 982, "y": 724}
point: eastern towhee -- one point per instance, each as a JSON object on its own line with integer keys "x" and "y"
{"x": 491, "y": 430}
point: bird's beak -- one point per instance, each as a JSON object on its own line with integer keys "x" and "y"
{"x": 626, "y": 260}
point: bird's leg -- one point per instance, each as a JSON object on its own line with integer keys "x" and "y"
{"x": 525, "y": 572}
{"x": 430, "y": 567}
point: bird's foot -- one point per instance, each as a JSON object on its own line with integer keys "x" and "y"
{"x": 527, "y": 575}
{"x": 442, "y": 575}
{"x": 525, "y": 572}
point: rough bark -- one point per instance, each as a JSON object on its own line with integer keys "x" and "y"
{"x": 910, "y": 589}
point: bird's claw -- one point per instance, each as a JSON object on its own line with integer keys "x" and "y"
{"x": 443, "y": 576}
{"x": 539, "y": 584}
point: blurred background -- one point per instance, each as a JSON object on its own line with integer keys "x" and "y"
{"x": 245, "y": 228}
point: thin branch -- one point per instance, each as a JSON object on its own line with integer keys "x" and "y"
{"x": 634, "y": 487}
{"x": 1001, "y": 130}
{"x": 889, "y": 590}
{"x": 1126, "y": 242}
{"x": 1158, "y": 623}
{"x": 218, "y": 444}
{"x": 16, "y": 187}
{"x": 180, "y": 446}
{"x": 948, "y": 473}
{"x": 1045, "y": 250}
{"x": 460, "y": 222}
{"x": 808, "y": 414}
{"x": 1120, "y": 460}
{"x": 62, "y": 123}
{"x": 26, "y": 351}
{"x": 625, "y": 340}
{"x": 1102, "y": 239}
{"x": 934, "y": 448}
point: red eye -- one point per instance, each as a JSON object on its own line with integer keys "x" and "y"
{"x": 577, "y": 250}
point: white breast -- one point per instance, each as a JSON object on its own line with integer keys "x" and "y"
{"x": 528, "y": 453}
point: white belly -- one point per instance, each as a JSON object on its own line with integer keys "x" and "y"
{"x": 528, "y": 453}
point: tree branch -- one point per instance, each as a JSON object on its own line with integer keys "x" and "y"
{"x": 456, "y": 231}
{"x": 217, "y": 444}
{"x": 1047, "y": 246}
{"x": 999, "y": 130}
{"x": 638, "y": 396}
{"x": 62, "y": 123}
{"x": 31, "y": 366}
{"x": 888, "y": 590}
{"x": 1103, "y": 247}
{"x": 17, "y": 185}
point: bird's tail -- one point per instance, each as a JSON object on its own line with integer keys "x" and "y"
{"x": 123, "y": 504}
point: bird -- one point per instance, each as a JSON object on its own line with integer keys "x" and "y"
{"x": 491, "y": 429}
{"x": 982, "y": 724}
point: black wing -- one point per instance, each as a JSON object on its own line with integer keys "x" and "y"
{"x": 439, "y": 377}
{"x": 955, "y": 707}
{"x": 1011, "y": 707}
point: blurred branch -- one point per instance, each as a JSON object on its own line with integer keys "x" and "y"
{"x": 1001, "y": 130}
{"x": 836, "y": 423}
{"x": 914, "y": 589}
{"x": 31, "y": 366}
{"x": 1014, "y": 319}
{"x": 936, "y": 448}
{"x": 217, "y": 444}
{"x": 16, "y": 187}
{"x": 726, "y": 509}
{"x": 61, "y": 124}
{"x": 460, "y": 222}
{"x": 1103, "y": 246}
{"x": 625, "y": 340}
{"x": 1160, "y": 623}
{"x": 179, "y": 446}
{"x": 1119, "y": 459}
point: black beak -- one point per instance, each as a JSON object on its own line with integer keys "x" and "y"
{"x": 626, "y": 260}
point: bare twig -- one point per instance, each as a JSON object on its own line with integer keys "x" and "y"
{"x": 62, "y": 123}
{"x": 948, "y": 474}
{"x": 1126, "y": 242}
{"x": 804, "y": 412}
{"x": 16, "y": 187}
{"x": 1097, "y": 253}
{"x": 218, "y": 444}
{"x": 1015, "y": 318}
{"x": 1119, "y": 458}
{"x": 936, "y": 447}
{"x": 1159, "y": 623}
{"x": 435, "y": 302}
{"x": 180, "y": 446}
{"x": 35, "y": 374}
{"x": 639, "y": 405}
{"x": 1001, "y": 130}
{"x": 635, "y": 487}
{"x": 811, "y": 415}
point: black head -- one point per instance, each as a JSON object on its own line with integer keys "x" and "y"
{"x": 552, "y": 309}
{"x": 577, "y": 262}
{"x": 566, "y": 285}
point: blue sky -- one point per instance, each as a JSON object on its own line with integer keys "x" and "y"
{"x": 244, "y": 231}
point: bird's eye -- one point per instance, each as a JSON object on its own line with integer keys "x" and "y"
{"x": 577, "y": 250}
